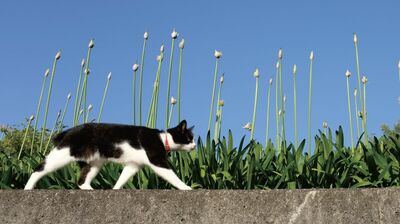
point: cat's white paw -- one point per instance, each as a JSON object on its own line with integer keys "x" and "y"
{"x": 186, "y": 188}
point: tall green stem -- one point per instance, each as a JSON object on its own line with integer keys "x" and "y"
{"x": 179, "y": 81}
{"x": 296, "y": 141}
{"x": 38, "y": 109}
{"x": 64, "y": 112}
{"x": 171, "y": 58}
{"x": 268, "y": 110}
{"x": 256, "y": 74}
{"x": 350, "y": 121}
{"x": 104, "y": 97}
{"x": 87, "y": 71}
{"x": 277, "y": 106}
{"x": 48, "y": 100}
{"x": 52, "y": 132}
{"x": 216, "y": 132}
{"x": 78, "y": 90}
{"x": 356, "y": 113}
{"x": 26, "y": 134}
{"x": 355, "y": 40}
{"x": 213, "y": 94}
{"x": 141, "y": 77}
{"x": 134, "y": 94}
{"x": 309, "y": 104}
{"x": 365, "y": 113}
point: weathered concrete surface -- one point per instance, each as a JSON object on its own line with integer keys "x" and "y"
{"x": 201, "y": 206}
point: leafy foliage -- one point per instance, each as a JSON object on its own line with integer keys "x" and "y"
{"x": 221, "y": 165}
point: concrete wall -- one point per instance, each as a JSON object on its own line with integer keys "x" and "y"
{"x": 201, "y": 206}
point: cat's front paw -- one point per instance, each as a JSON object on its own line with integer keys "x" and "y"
{"x": 186, "y": 188}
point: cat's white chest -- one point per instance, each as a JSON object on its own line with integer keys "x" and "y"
{"x": 131, "y": 155}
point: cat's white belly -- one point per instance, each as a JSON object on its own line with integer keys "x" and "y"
{"x": 131, "y": 155}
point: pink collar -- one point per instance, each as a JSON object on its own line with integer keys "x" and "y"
{"x": 167, "y": 147}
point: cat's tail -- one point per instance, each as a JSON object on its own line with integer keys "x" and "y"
{"x": 58, "y": 138}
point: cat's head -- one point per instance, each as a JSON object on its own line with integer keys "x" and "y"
{"x": 183, "y": 137}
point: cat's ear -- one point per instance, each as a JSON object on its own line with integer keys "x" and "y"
{"x": 191, "y": 128}
{"x": 182, "y": 126}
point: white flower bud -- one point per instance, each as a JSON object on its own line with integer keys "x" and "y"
{"x": 284, "y": 98}
{"x": 90, "y": 107}
{"x": 355, "y": 38}
{"x": 69, "y": 96}
{"x": 280, "y": 53}
{"x": 46, "y": 73}
{"x": 364, "y": 79}
{"x": 109, "y": 76}
{"x": 135, "y": 67}
{"x": 173, "y": 101}
{"x": 91, "y": 43}
{"x": 398, "y": 65}
{"x": 146, "y": 35}
{"x": 221, "y": 80}
{"x": 312, "y": 55}
{"x": 325, "y": 124}
{"x": 217, "y": 54}
{"x": 83, "y": 63}
{"x": 58, "y": 55}
{"x": 81, "y": 112}
{"x": 270, "y": 81}
{"x": 31, "y": 118}
{"x": 174, "y": 34}
{"x": 277, "y": 65}
{"x": 160, "y": 58}
{"x": 355, "y": 92}
{"x": 256, "y": 73}
{"x": 182, "y": 44}
{"x": 162, "y": 48}
{"x": 294, "y": 69}
{"x": 247, "y": 126}
{"x": 280, "y": 112}
{"x": 221, "y": 103}
{"x": 348, "y": 73}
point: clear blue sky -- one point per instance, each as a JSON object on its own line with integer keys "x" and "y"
{"x": 249, "y": 33}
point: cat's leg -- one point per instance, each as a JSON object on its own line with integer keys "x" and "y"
{"x": 88, "y": 173}
{"x": 169, "y": 175}
{"x": 128, "y": 171}
{"x": 56, "y": 159}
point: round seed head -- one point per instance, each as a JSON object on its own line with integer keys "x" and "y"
{"x": 58, "y": 55}
{"x": 90, "y": 107}
{"x": 256, "y": 73}
{"x": 324, "y": 124}
{"x": 312, "y": 56}
{"x": 69, "y": 96}
{"x": 46, "y": 73}
{"x": 364, "y": 79}
{"x": 83, "y": 63}
{"x": 280, "y": 53}
{"x": 174, "y": 34}
{"x": 355, "y": 91}
{"x": 355, "y": 40}
{"x": 182, "y": 44}
{"x": 146, "y": 35}
{"x": 348, "y": 73}
{"x": 217, "y": 54}
{"x": 270, "y": 81}
{"x": 135, "y": 67}
{"x": 31, "y": 118}
{"x": 109, "y": 76}
{"x": 247, "y": 126}
{"x": 162, "y": 48}
{"x": 221, "y": 103}
{"x": 294, "y": 69}
{"x": 160, "y": 57}
{"x": 91, "y": 43}
{"x": 173, "y": 101}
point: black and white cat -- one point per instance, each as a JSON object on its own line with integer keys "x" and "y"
{"x": 92, "y": 144}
